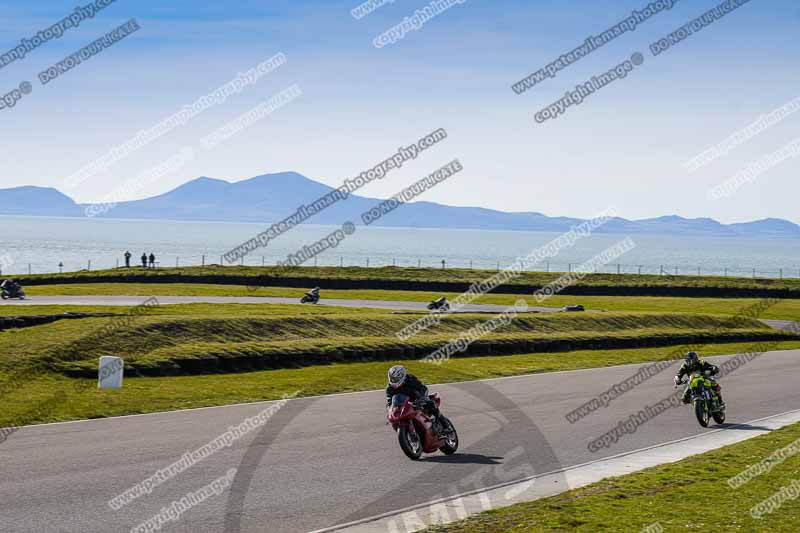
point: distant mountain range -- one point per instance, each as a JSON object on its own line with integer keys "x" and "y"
{"x": 272, "y": 197}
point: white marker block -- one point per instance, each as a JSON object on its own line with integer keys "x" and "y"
{"x": 109, "y": 374}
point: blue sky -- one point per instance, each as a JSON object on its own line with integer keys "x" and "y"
{"x": 625, "y": 146}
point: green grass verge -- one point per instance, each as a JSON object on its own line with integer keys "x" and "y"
{"x": 198, "y": 309}
{"x": 83, "y": 400}
{"x": 690, "y": 495}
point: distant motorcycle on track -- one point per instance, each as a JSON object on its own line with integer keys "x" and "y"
{"x": 311, "y": 296}
{"x": 439, "y": 304}
{"x": 10, "y": 289}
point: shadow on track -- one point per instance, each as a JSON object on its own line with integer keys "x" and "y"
{"x": 464, "y": 458}
{"x": 747, "y": 427}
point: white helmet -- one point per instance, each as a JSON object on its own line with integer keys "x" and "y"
{"x": 397, "y": 375}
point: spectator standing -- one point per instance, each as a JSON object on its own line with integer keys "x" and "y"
{"x": 127, "y": 259}
{"x": 144, "y": 260}
{"x": 152, "y": 260}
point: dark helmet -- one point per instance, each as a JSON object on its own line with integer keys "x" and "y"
{"x": 692, "y": 358}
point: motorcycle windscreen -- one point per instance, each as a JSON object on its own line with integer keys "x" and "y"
{"x": 398, "y": 401}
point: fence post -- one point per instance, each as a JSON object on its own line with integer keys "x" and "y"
{"x": 640, "y": 270}
{"x": 220, "y": 260}
{"x": 203, "y": 260}
{"x": 341, "y": 261}
{"x": 781, "y": 270}
{"x": 367, "y": 262}
{"x": 470, "y": 264}
{"x": 498, "y": 266}
{"x": 618, "y": 269}
{"x": 698, "y": 271}
{"x": 419, "y": 263}
{"x": 661, "y": 270}
{"x": 29, "y": 269}
{"x": 242, "y": 262}
{"x": 176, "y": 262}
{"x": 89, "y": 266}
{"x": 726, "y": 272}
{"x": 569, "y": 267}
{"x": 754, "y": 273}
{"x": 676, "y": 270}
{"x": 117, "y": 262}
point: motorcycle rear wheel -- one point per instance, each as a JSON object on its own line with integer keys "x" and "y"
{"x": 451, "y": 442}
{"x": 410, "y": 444}
{"x": 701, "y": 412}
{"x": 5, "y": 296}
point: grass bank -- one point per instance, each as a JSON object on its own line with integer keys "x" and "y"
{"x": 172, "y": 342}
{"x": 692, "y": 494}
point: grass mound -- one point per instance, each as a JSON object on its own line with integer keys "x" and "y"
{"x": 169, "y": 345}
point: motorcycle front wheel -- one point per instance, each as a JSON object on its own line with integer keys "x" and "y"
{"x": 701, "y": 411}
{"x": 5, "y": 296}
{"x": 451, "y": 440}
{"x": 410, "y": 443}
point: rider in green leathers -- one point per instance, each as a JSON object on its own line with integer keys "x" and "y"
{"x": 692, "y": 364}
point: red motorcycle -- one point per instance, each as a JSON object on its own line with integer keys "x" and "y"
{"x": 417, "y": 431}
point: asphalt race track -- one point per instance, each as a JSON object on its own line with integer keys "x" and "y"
{"x": 131, "y": 301}
{"x": 323, "y": 461}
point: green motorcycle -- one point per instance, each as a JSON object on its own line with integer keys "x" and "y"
{"x": 707, "y": 405}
